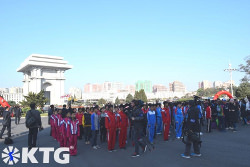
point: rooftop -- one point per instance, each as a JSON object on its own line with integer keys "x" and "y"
{"x": 38, "y": 60}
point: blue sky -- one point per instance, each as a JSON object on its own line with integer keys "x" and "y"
{"x": 127, "y": 40}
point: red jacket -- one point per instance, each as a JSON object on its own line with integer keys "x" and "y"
{"x": 110, "y": 120}
{"x": 74, "y": 127}
{"x": 165, "y": 115}
{"x": 122, "y": 120}
{"x": 145, "y": 111}
{"x": 79, "y": 117}
{"x": 208, "y": 112}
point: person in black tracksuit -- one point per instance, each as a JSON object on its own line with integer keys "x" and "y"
{"x": 87, "y": 126}
{"x": 6, "y": 122}
{"x": 192, "y": 125}
{"x": 138, "y": 121}
{"x": 103, "y": 130}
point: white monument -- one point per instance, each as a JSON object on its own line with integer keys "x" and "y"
{"x": 43, "y": 72}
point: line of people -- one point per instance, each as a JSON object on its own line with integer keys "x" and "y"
{"x": 140, "y": 122}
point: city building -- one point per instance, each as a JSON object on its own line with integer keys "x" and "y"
{"x": 89, "y": 88}
{"x": 159, "y": 88}
{"x": 130, "y": 89}
{"x": 146, "y": 85}
{"x": 205, "y": 84}
{"x": 12, "y": 94}
{"x": 75, "y": 92}
{"x": 43, "y": 72}
{"x": 227, "y": 84}
{"x": 177, "y": 86}
{"x": 217, "y": 84}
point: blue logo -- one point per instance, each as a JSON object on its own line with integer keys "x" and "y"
{"x": 10, "y": 155}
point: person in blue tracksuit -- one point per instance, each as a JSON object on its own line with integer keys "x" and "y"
{"x": 151, "y": 117}
{"x": 178, "y": 121}
{"x": 158, "y": 119}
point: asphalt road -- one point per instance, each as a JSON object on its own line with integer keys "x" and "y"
{"x": 219, "y": 149}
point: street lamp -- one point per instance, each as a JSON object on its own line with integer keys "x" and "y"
{"x": 230, "y": 70}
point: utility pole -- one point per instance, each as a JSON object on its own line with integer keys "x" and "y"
{"x": 230, "y": 70}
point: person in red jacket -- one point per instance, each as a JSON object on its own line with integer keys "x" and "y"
{"x": 111, "y": 126}
{"x": 122, "y": 126}
{"x": 208, "y": 117}
{"x": 65, "y": 130}
{"x": 59, "y": 131}
{"x": 73, "y": 134}
{"x": 166, "y": 120}
{"x": 79, "y": 117}
{"x": 53, "y": 123}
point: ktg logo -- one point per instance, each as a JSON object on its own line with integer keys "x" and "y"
{"x": 11, "y": 155}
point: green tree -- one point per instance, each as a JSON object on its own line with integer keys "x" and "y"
{"x": 12, "y": 103}
{"x": 209, "y": 92}
{"x": 141, "y": 95}
{"x": 37, "y": 98}
{"x": 243, "y": 90}
{"x": 117, "y": 101}
{"x": 200, "y": 92}
{"x": 246, "y": 69}
{"x": 129, "y": 98}
{"x": 102, "y": 102}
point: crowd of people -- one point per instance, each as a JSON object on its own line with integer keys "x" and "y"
{"x": 136, "y": 121}
{"x": 142, "y": 122}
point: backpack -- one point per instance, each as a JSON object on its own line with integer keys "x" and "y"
{"x": 30, "y": 121}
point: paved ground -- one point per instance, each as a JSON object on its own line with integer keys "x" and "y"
{"x": 218, "y": 150}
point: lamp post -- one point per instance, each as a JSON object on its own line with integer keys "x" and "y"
{"x": 230, "y": 70}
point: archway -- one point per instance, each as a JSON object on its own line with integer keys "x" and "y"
{"x": 47, "y": 87}
{"x": 223, "y": 92}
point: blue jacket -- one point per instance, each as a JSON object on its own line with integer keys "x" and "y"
{"x": 94, "y": 122}
{"x": 200, "y": 109}
{"x": 179, "y": 114}
{"x": 158, "y": 110}
{"x": 151, "y": 117}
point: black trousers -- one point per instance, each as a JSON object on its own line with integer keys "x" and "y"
{"x": 94, "y": 138}
{"x": 103, "y": 131}
{"x": 81, "y": 131}
{"x": 87, "y": 133}
{"x": 208, "y": 125}
{"x": 139, "y": 138}
{"x": 8, "y": 129}
{"x": 188, "y": 147}
{"x": 32, "y": 137}
{"x": 17, "y": 119}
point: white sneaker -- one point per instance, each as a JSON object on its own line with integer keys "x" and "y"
{"x": 94, "y": 147}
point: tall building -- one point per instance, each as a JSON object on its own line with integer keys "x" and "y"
{"x": 177, "y": 86}
{"x": 107, "y": 86}
{"x": 205, "y": 84}
{"x": 75, "y": 92}
{"x": 146, "y": 85}
{"x": 12, "y": 94}
{"x": 90, "y": 88}
{"x": 217, "y": 84}
{"x": 130, "y": 88}
{"x": 159, "y": 88}
{"x": 228, "y": 84}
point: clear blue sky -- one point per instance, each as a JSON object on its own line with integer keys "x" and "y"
{"x": 127, "y": 40}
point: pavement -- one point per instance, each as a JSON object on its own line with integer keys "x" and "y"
{"x": 219, "y": 149}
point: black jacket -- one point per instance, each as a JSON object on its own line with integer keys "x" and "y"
{"x": 192, "y": 122}
{"x": 36, "y": 115}
{"x": 6, "y": 118}
{"x": 64, "y": 112}
{"x": 137, "y": 113}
